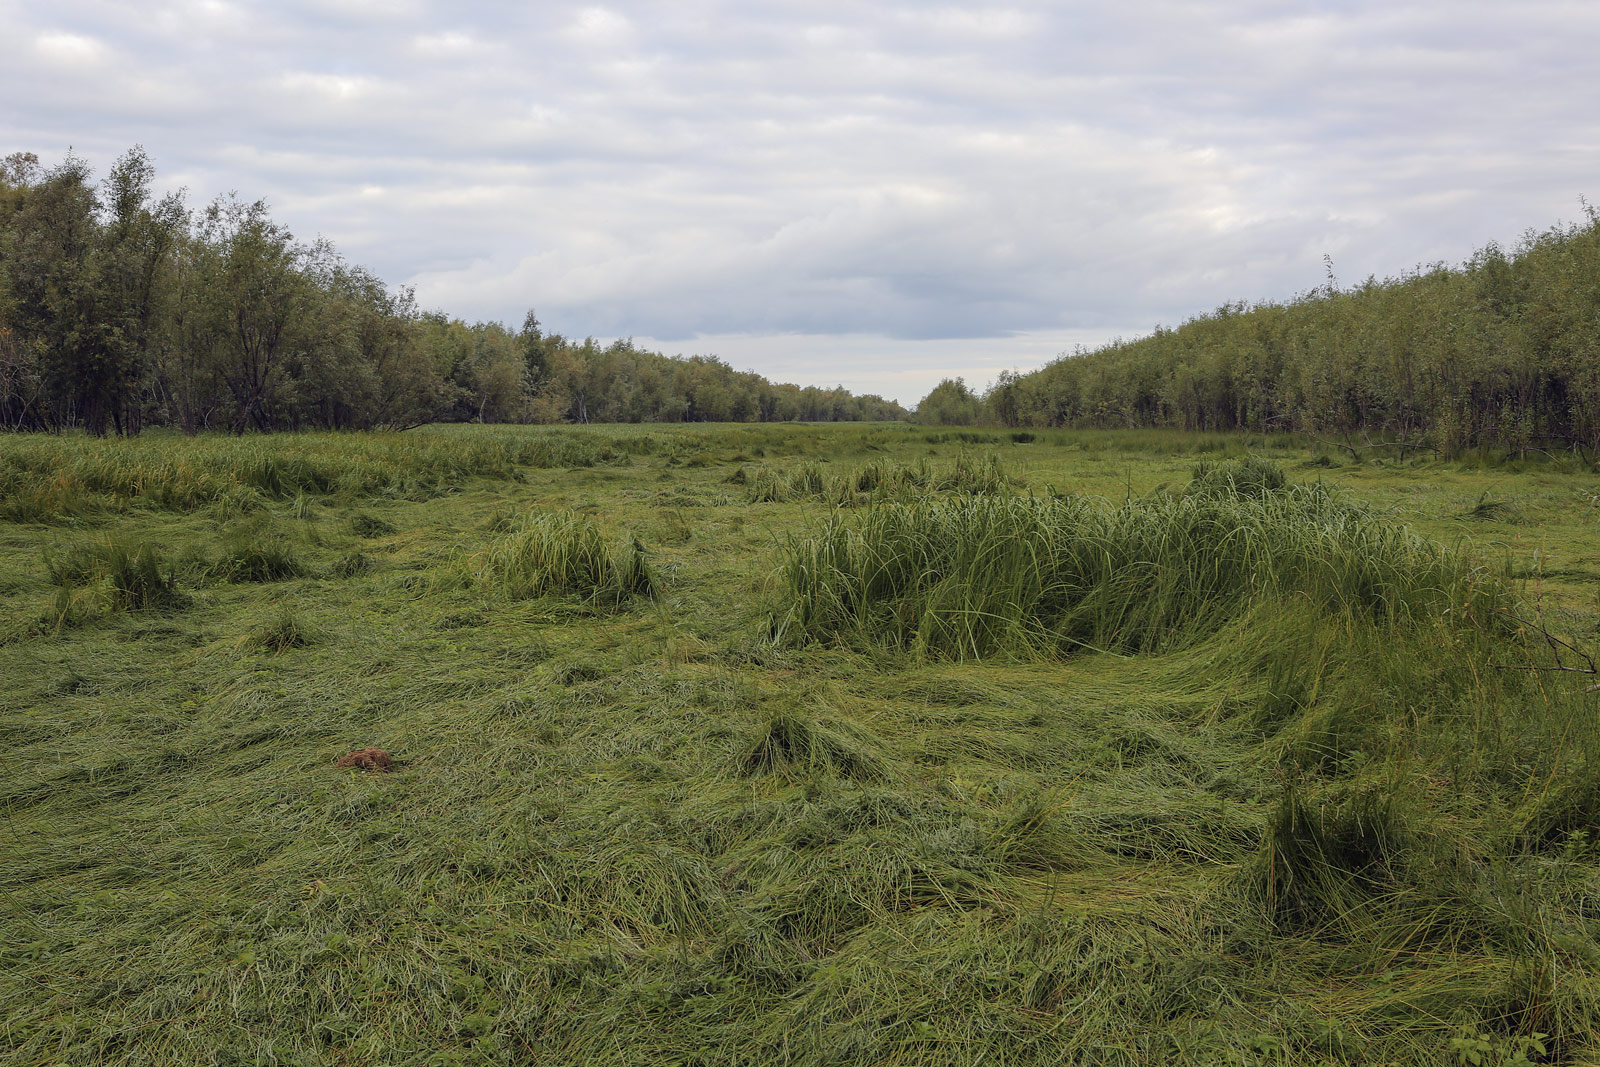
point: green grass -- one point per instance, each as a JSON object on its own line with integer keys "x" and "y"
{"x": 974, "y": 577}
{"x": 561, "y": 552}
{"x": 1293, "y": 812}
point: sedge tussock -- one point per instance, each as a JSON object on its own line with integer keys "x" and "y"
{"x": 978, "y": 576}
{"x": 563, "y": 552}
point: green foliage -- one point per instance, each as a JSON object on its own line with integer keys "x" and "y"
{"x": 1494, "y": 354}
{"x": 123, "y": 310}
{"x": 1494, "y": 1050}
{"x": 562, "y": 552}
{"x": 950, "y": 403}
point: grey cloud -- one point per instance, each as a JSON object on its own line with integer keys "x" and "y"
{"x": 706, "y": 170}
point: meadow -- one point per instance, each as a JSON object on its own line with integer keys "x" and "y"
{"x": 796, "y": 744}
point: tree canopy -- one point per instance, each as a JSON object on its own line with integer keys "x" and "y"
{"x": 120, "y": 308}
{"x": 1502, "y": 351}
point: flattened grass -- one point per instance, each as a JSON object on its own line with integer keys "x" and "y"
{"x": 1328, "y": 831}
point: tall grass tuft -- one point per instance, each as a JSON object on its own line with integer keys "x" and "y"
{"x": 139, "y": 578}
{"x": 283, "y": 633}
{"x": 977, "y": 576}
{"x": 1251, "y": 476}
{"x": 880, "y": 479}
{"x": 971, "y": 474}
{"x": 1324, "y": 859}
{"x": 135, "y": 575}
{"x": 256, "y": 553}
{"x": 562, "y": 552}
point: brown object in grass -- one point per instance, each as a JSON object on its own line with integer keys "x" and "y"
{"x": 368, "y": 759}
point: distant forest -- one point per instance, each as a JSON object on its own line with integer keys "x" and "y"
{"x": 1501, "y": 352}
{"x": 121, "y": 310}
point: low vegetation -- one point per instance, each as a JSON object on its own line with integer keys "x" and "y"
{"x": 1119, "y": 748}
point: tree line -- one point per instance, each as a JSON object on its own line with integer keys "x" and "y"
{"x": 121, "y": 308}
{"x": 1502, "y": 351}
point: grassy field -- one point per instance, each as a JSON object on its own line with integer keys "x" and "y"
{"x": 794, "y": 745}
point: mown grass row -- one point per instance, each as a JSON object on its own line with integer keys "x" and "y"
{"x": 50, "y": 479}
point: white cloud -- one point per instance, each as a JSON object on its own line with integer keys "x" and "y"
{"x": 68, "y": 49}
{"x": 329, "y": 87}
{"x": 446, "y": 43}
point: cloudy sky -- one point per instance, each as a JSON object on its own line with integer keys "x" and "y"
{"x": 877, "y": 195}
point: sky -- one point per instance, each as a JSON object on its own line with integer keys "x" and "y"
{"x": 872, "y": 195}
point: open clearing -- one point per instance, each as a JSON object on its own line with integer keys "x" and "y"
{"x": 1299, "y": 818}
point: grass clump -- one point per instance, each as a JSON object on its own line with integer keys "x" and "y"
{"x": 77, "y": 564}
{"x": 140, "y": 580}
{"x": 973, "y": 474}
{"x": 976, "y": 576}
{"x": 563, "y": 552}
{"x": 878, "y": 480}
{"x": 1324, "y": 858}
{"x": 282, "y": 634}
{"x": 1251, "y": 476}
{"x": 1487, "y": 510}
{"x": 134, "y": 574}
{"x": 256, "y": 553}
{"x": 789, "y": 742}
{"x": 353, "y": 565}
